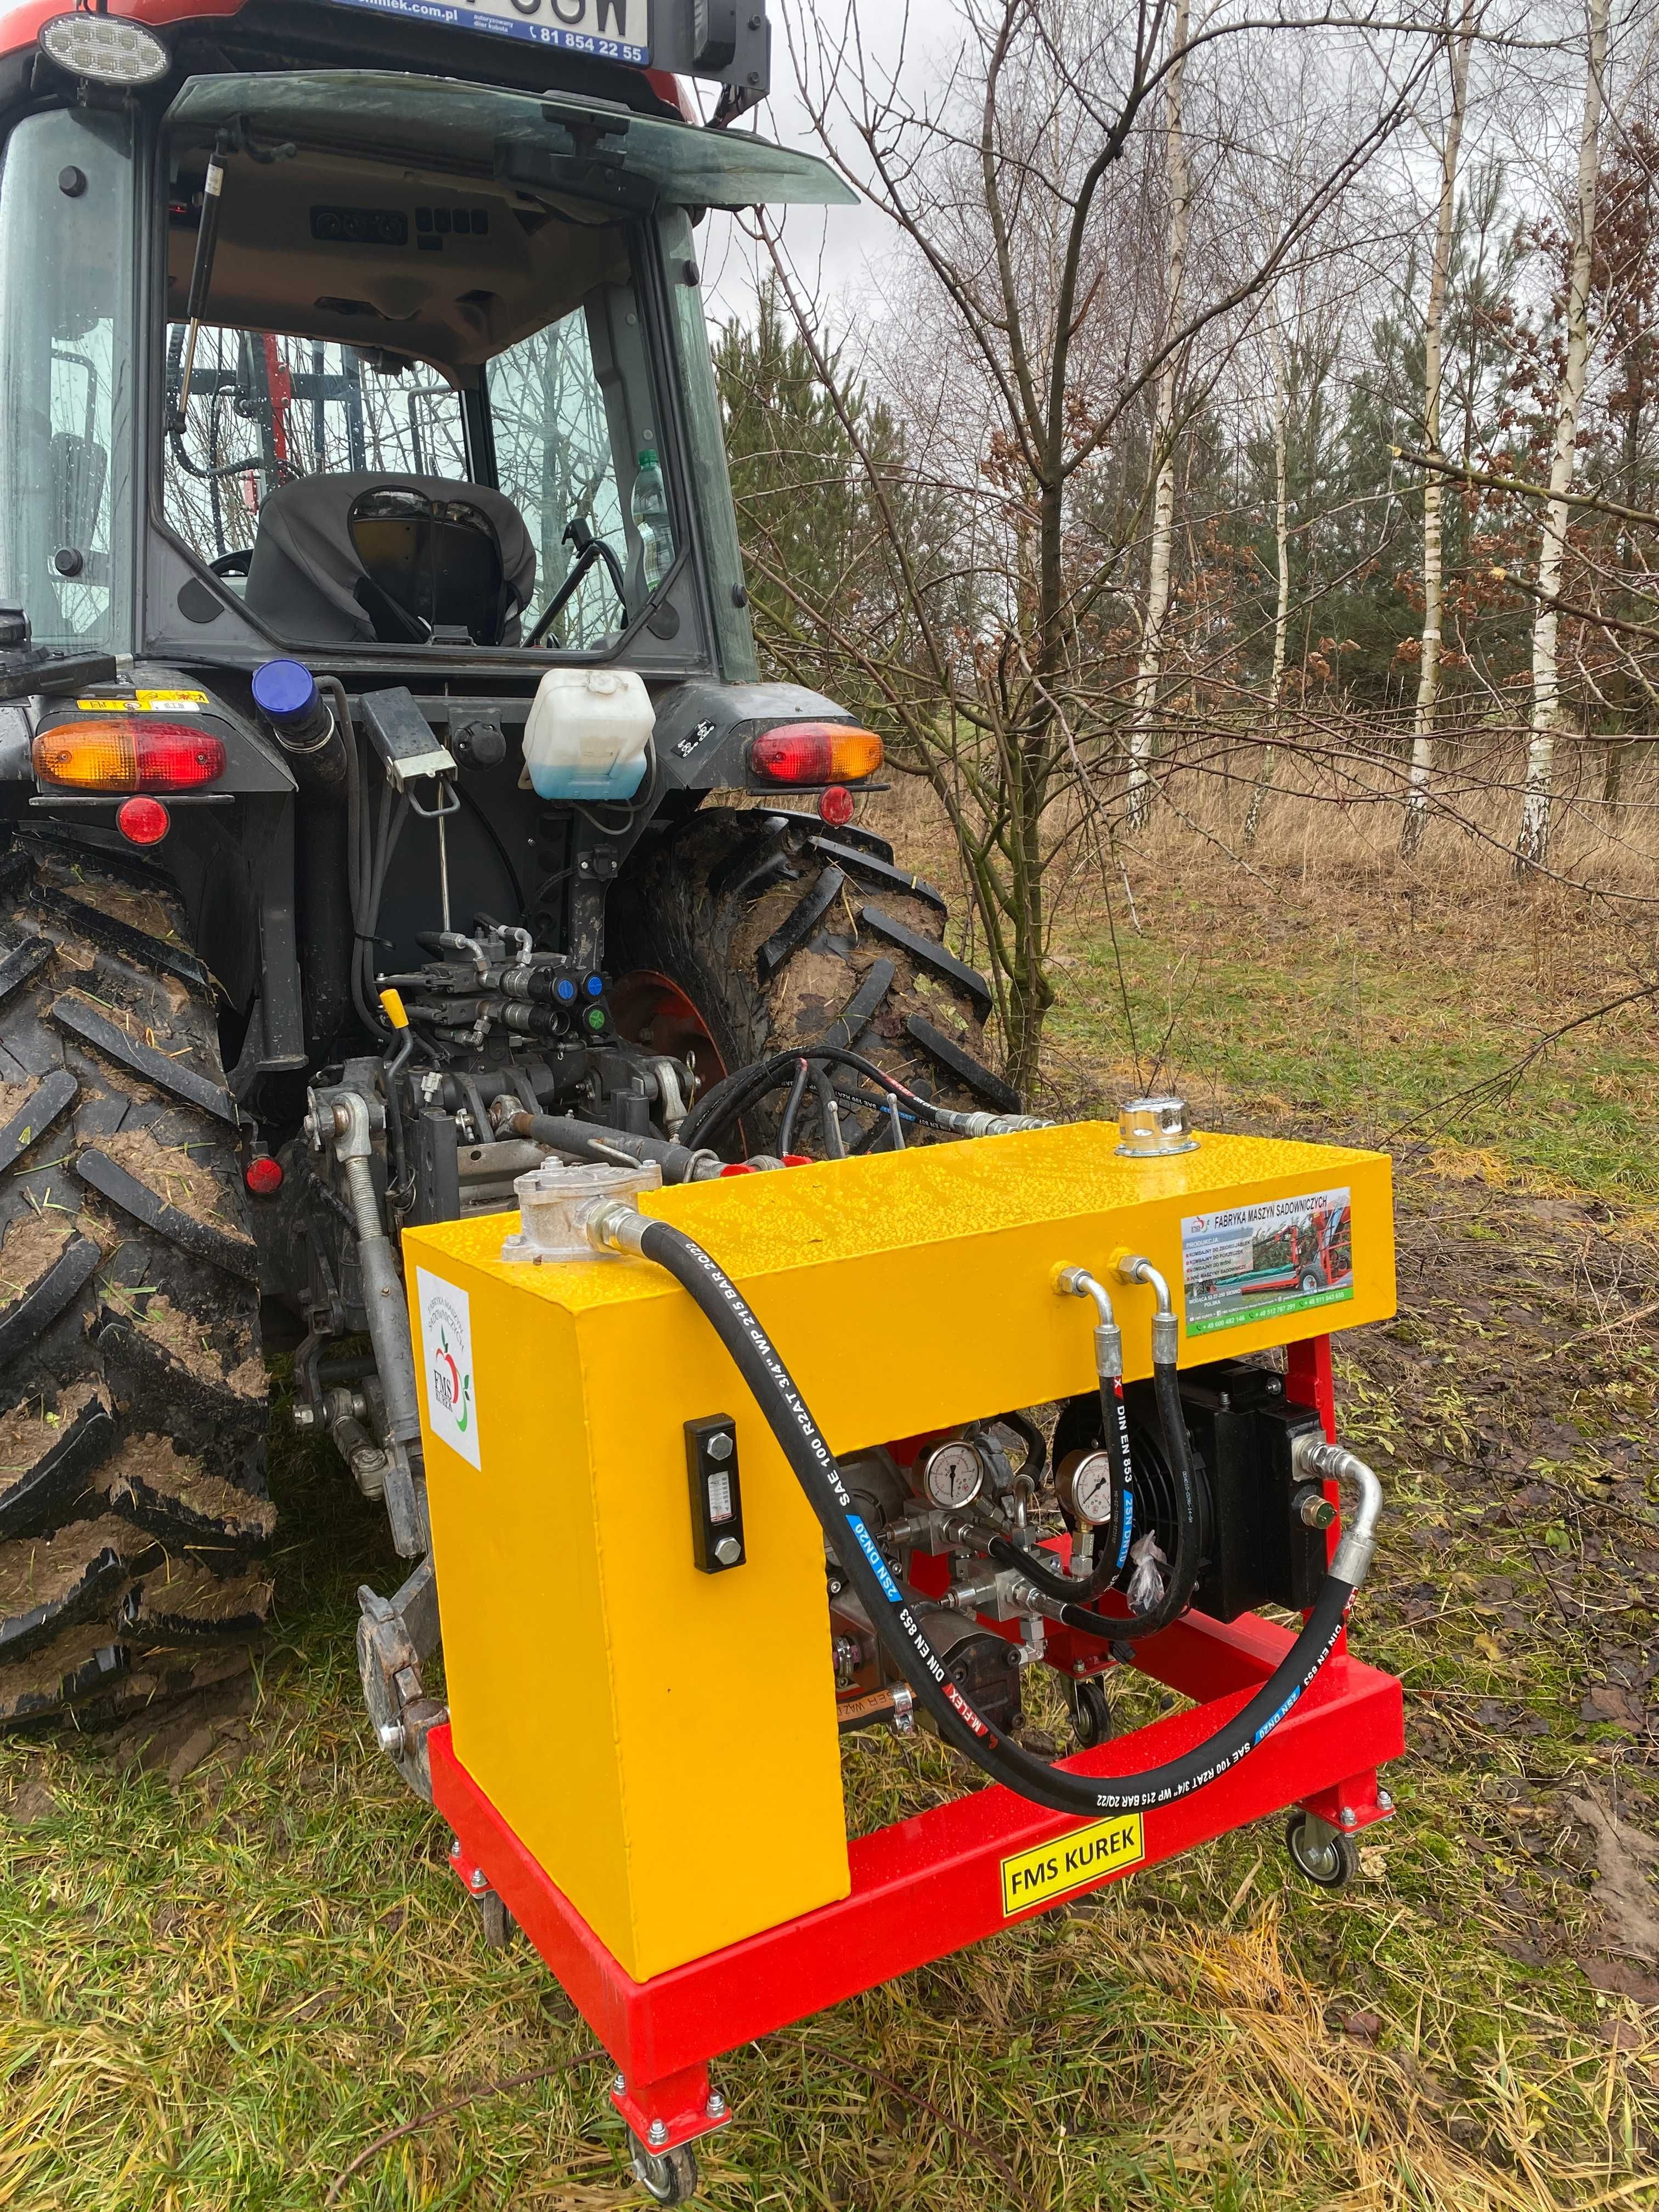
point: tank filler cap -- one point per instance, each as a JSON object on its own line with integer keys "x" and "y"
{"x": 284, "y": 692}
{"x": 1154, "y": 1129}
{"x": 556, "y": 1199}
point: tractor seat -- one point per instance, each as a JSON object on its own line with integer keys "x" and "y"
{"x": 400, "y": 560}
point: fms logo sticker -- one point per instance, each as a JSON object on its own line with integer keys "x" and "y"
{"x": 446, "y": 1337}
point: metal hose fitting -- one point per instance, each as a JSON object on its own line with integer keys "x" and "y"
{"x": 987, "y": 1124}
{"x": 1079, "y": 1283}
{"x": 1166, "y": 1330}
{"x": 614, "y": 1225}
{"x": 1311, "y": 1456}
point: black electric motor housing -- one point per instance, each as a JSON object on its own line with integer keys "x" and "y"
{"x": 985, "y": 1667}
{"x": 1255, "y": 1547}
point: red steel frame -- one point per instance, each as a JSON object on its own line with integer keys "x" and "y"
{"x": 932, "y": 1884}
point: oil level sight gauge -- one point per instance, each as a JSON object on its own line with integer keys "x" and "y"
{"x": 953, "y": 1473}
{"x": 1085, "y": 1484}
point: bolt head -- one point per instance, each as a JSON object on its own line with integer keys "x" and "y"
{"x": 454, "y": 1847}
{"x": 394, "y": 1739}
{"x": 728, "y": 1551}
{"x": 657, "y": 2132}
{"x": 476, "y": 1879}
{"x": 719, "y": 1445}
{"x": 1385, "y": 1801}
{"x": 305, "y": 1417}
{"x": 1350, "y": 1818}
{"x": 617, "y": 2085}
{"x": 716, "y": 2107}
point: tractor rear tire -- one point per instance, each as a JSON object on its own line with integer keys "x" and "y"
{"x": 135, "y": 1521}
{"x": 783, "y": 933}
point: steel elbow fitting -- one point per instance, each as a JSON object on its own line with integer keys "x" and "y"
{"x": 1079, "y": 1283}
{"x": 1310, "y": 1455}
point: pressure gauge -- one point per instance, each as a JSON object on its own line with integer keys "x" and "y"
{"x": 954, "y": 1474}
{"x": 1085, "y": 1485}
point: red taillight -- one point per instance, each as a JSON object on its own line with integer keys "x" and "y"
{"x": 129, "y": 752}
{"x": 142, "y": 821}
{"x": 263, "y": 1176}
{"x": 815, "y": 752}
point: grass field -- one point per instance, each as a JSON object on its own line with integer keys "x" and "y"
{"x": 221, "y": 1989}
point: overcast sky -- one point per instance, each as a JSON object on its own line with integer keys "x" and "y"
{"x": 843, "y": 242}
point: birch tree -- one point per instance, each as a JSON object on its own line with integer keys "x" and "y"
{"x": 1282, "y": 544}
{"x": 1143, "y": 727}
{"x": 1428, "y": 675}
{"x": 1532, "y": 847}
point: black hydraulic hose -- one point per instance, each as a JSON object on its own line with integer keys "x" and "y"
{"x": 1115, "y": 1432}
{"x": 372, "y": 866}
{"x": 472, "y": 807}
{"x": 746, "y": 1086}
{"x": 1118, "y": 1532}
{"x": 730, "y": 1099}
{"x": 736, "y": 1093}
{"x": 391, "y": 1067}
{"x": 813, "y": 1464}
{"x": 787, "y": 1126}
{"x": 1131, "y": 1627}
{"x": 594, "y": 1140}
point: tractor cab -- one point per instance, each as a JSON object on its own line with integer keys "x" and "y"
{"x": 342, "y": 335}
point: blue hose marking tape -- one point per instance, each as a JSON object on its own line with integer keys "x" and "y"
{"x": 867, "y": 1544}
{"x": 1273, "y": 1719}
{"x": 1129, "y": 1527}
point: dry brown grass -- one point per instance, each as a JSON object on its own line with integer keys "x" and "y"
{"x": 1334, "y": 811}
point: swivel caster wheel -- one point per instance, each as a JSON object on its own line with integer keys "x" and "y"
{"x": 1322, "y": 1852}
{"x": 497, "y": 1923}
{"x": 667, "y": 2177}
{"x": 1092, "y": 1714}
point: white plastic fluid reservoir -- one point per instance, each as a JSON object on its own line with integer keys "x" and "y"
{"x": 587, "y": 733}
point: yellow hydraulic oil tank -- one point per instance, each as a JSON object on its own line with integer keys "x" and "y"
{"x": 663, "y": 1740}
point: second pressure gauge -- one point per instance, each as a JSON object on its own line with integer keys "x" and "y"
{"x": 1086, "y": 1487}
{"x": 954, "y": 1474}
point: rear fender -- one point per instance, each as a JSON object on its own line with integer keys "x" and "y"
{"x": 231, "y": 851}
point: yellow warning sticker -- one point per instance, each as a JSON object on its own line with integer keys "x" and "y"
{"x": 1072, "y": 1861}
{"x": 146, "y": 702}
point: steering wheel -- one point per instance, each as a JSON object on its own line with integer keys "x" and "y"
{"x": 236, "y": 563}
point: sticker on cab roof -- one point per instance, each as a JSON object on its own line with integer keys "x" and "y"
{"x": 608, "y": 30}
